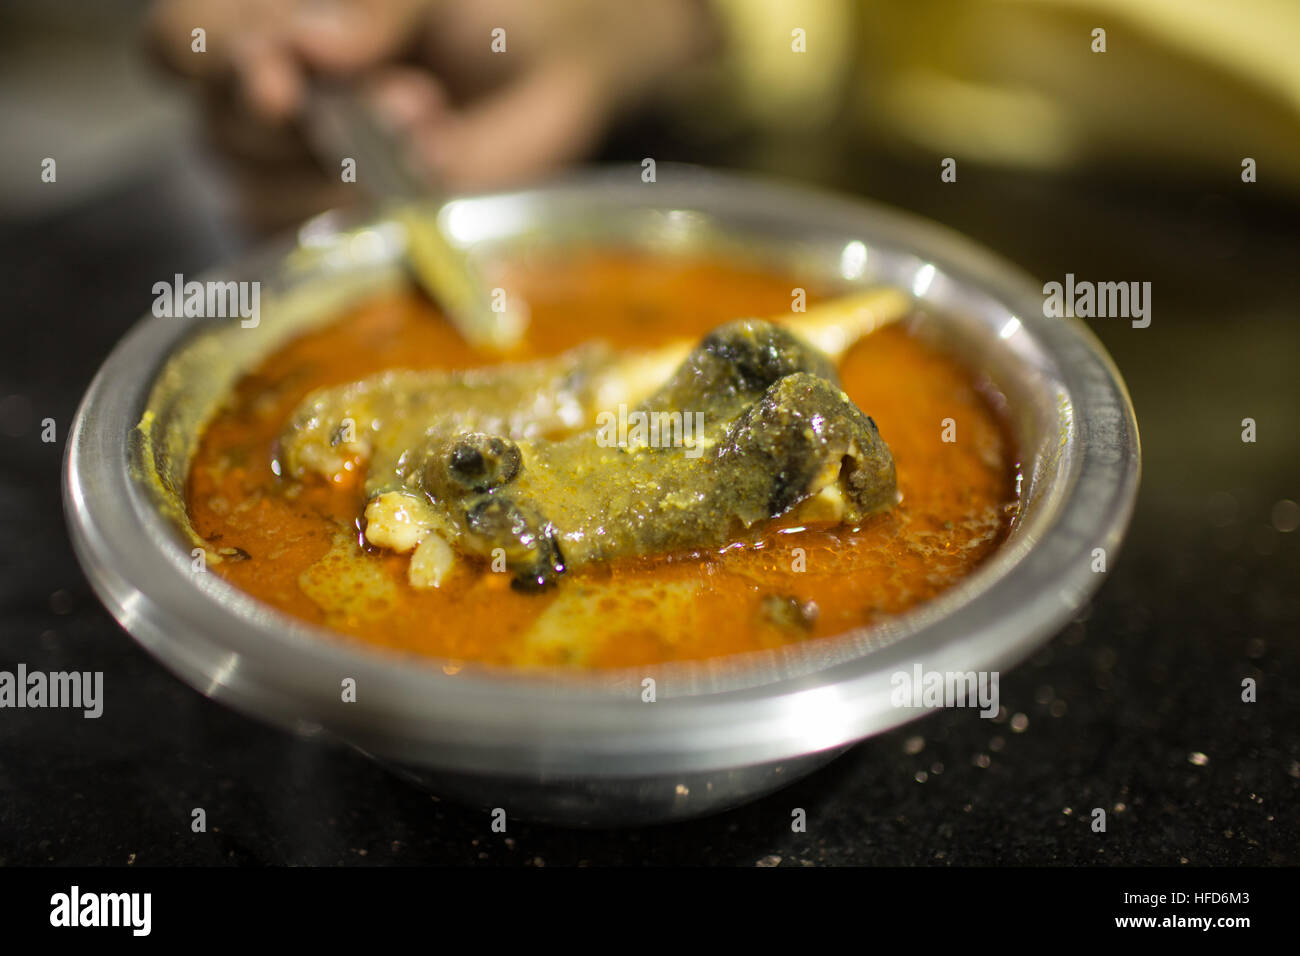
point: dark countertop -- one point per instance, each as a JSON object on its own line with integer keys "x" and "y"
{"x": 1203, "y": 595}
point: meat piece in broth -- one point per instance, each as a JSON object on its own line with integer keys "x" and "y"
{"x": 776, "y": 432}
{"x": 751, "y": 426}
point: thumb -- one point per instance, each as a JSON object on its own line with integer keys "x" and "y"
{"x": 545, "y": 119}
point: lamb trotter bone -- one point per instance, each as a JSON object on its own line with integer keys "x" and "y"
{"x": 779, "y": 432}
{"x": 436, "y": 443}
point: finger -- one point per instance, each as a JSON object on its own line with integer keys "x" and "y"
{"x": 406, "y": 98}
{"x": 227, "y": 26}
{"x": 342, "y": 37}
{"x": 547, "y": 118}
{"x": 270, "y": 79}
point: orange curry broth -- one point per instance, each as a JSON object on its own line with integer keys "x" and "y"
{"x": 957, "y": 497}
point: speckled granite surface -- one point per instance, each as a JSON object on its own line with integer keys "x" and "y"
{"x": 1135, "y": 708}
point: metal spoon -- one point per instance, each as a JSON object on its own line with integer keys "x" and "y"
{"x": 340, "y": 125}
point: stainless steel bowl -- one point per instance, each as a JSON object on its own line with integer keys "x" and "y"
{"x": 588, "y": 749}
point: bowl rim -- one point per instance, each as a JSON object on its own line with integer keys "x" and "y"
{"x": 262, "y": 662}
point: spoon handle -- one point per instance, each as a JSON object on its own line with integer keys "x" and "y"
{"x": 339, "y": 125}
